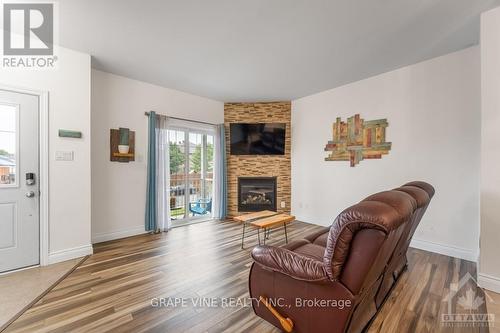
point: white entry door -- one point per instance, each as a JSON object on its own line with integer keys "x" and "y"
{"x": 19, "y": 189}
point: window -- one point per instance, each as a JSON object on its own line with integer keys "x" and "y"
{"x": 8, "y": 144}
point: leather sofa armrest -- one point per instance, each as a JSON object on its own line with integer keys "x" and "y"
{"x": 290, "y": 263}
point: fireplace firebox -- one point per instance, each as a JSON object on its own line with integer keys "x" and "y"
{"x": 256, "y": 193}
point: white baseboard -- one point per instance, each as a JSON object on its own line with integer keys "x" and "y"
{"x": 489, "y": 282}
{"x": 107, "y": 236}
{"x": 447, "y": 250}
{"x": 72, "y": 253}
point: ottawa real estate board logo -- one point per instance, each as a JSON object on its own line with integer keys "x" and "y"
{"x": 467, "y": 305}
{"x": 28, "y": 36}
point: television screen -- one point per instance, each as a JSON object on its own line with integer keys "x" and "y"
{"x": 257, "y": 139}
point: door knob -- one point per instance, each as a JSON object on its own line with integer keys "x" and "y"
{"x": 30, "y": 194}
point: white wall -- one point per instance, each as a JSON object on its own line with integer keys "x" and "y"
{"x": 119, "y": 189}
{"x": 433, "y": 110}
{"x": 489, "y": 265}
{"x": 69, "y": 182}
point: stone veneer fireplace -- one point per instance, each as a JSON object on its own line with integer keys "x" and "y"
{"x": 278, "y": 166}
{"x": 256, "y": 194}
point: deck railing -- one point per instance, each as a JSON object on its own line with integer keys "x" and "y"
{"x": 197, "y": 189}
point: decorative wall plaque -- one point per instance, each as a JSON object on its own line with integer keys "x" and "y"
{"x": 70, "y": 134}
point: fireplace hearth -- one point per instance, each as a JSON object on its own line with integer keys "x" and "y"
{"x": 256, "y": 193}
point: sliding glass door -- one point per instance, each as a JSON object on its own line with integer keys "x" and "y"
{"x": 191, "y": 175}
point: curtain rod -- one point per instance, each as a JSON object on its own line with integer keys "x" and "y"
{"x": 184, "y": 119}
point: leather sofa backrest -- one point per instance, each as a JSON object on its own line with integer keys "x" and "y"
{"x": 418, "y": 191}
{"x": 384, "y": 211}
{"x": 424, "y": 186}
{"x": 422, "y": 193}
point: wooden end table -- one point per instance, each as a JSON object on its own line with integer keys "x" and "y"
{"x": 265, "y": 219}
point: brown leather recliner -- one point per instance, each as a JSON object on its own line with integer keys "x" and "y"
{"x": 336, "y": 279}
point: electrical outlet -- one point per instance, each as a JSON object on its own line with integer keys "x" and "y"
{"x": 283, "y": 204}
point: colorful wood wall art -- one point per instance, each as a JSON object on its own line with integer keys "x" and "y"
{"x": 357, "y": 139}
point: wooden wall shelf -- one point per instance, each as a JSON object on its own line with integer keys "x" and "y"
{"x": 123, "y": 155}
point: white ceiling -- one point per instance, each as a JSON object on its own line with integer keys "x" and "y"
{"x": 265, "y": 50}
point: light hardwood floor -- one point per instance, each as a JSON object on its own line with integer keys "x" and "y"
{"x": 112, "y": 290}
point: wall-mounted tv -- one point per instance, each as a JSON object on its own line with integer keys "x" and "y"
{"x": 257, "y": 139}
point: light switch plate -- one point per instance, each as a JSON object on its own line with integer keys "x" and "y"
{"x": 64, "y": 155}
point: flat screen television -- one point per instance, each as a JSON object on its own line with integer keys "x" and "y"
{"x": 257, "y": 139}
